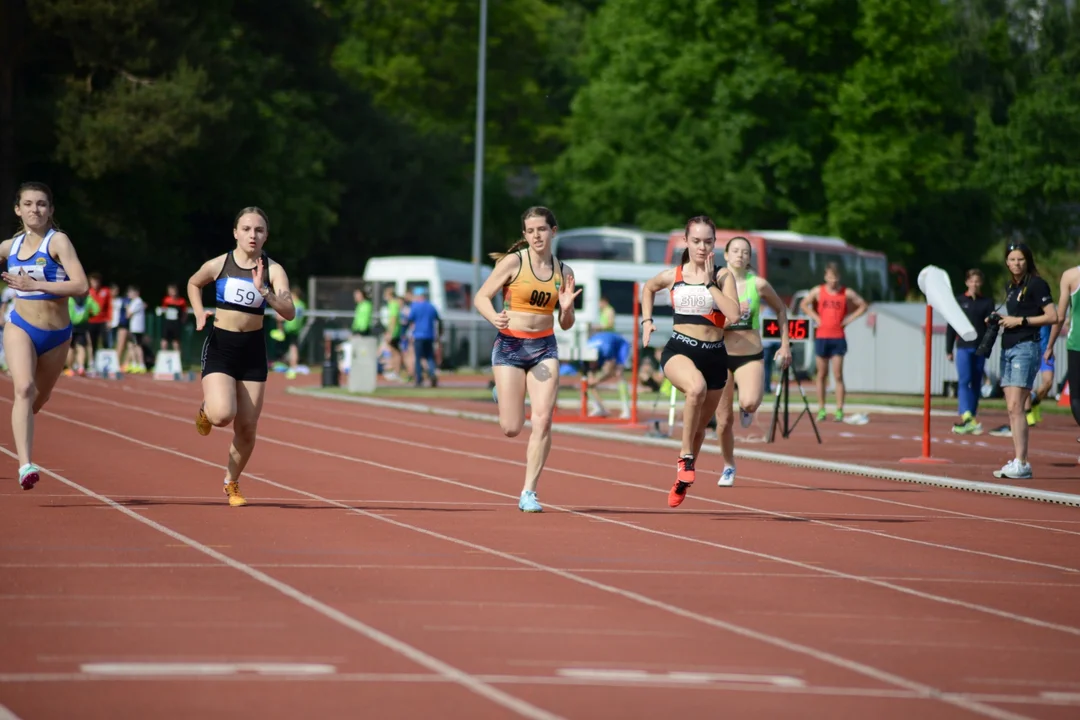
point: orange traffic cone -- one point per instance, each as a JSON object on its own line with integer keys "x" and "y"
{"x": 1063, "y": 401}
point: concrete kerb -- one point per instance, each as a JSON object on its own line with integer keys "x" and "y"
{"x": 1010, "y": 491}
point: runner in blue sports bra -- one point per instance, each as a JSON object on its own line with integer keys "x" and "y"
{"x": 234, "y": 363}
{"x": 44, "y": 271}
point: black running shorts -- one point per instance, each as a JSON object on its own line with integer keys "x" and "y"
{"x": 240, "y": 355}
{"x": 710, "y": 358}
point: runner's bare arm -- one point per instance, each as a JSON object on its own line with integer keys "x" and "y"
{"x": 860, "y": 307}
{"x": 807, "y": 305}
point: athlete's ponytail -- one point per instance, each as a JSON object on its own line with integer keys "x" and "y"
{"x": 537, "y": 211}
{"x": 497, "y": 256}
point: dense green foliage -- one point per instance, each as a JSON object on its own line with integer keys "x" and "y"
{"x": 929, "y": 130}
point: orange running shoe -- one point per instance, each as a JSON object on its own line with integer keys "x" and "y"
{"x": 684, "y": 478}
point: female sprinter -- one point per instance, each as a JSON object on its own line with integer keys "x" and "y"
{"x": 745, "y": 355}
{"x": 44, "y": 271}
{"x": 525, "y": 357}
{"x": 694, "y": 359}
{"x": 234, "y": 364}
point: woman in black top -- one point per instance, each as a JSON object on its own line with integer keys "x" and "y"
{"x": 969, "y": 364}
{"x": 1029, "y": 305}
{"x": 234, "y": 365}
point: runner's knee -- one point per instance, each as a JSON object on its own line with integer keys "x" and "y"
{"x": 25, "y": 390}
{"x": 695, "y": 391}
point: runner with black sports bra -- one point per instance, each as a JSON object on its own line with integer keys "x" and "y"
{"x": 694, "y": 359}
{"x": 38, "y": 335}
{"x": 745, "y": 354}
{"x": 525, "y": 356}
{"x": 234, "y": 364}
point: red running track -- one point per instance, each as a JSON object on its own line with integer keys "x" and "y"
{"x": 382, "y": 569}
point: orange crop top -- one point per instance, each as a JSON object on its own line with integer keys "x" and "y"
{"x": 527, "y": 293}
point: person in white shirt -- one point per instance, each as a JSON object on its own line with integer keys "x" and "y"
{"x": 136, "y": 317}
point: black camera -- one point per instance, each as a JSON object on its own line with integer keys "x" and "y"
{"x": 993, "y": 327}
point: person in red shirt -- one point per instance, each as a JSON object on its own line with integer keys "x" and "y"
{"x": 831, "y": 307}
{"x": 173, "y": 311}
{"x": 99, "y": 322}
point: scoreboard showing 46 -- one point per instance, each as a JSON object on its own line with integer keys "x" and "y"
{"x": 798, "y": 329}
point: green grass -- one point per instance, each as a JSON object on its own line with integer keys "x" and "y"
{"x": 1049, "y": 406}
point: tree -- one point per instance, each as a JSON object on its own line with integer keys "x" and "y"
{"x": 718, "y": 106}
{"x": 897, "y": 178}
{"x": 1029, "y": 158}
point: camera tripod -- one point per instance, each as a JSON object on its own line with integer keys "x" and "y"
{"x": 783, "y": 391}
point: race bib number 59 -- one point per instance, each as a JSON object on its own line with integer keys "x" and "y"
{"x": 242, "y": 292}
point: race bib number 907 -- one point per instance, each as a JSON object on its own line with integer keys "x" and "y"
{"x": 242, "y": 292}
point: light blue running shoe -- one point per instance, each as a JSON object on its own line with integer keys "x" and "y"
{"x": 528, "y": 502}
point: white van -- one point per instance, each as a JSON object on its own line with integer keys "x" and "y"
{"x": 615, "y": 281}
{"x": 450, "y": 288}
{"x": 449, "y": 283}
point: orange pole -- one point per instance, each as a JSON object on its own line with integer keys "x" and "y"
{"x": 635, "y": 356}
{"x": 927, "y": 360}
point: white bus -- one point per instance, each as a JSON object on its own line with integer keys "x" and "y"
{"x": 449, "y": 283}
{"x": 610, "y": 243}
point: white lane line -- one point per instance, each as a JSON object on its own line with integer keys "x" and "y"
{"x": 416, "y": 655}
{"x": 414, "y": 444}
{"x": 764, "y": 556}
{"x": 884, "y": 676}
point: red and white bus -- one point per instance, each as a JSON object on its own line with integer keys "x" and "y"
{"x": 794, "y": 262}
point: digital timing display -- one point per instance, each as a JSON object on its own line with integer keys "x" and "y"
{"x": 798, "y": 329}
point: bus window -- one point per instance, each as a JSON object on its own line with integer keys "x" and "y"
{"x": 789, "y": 270}
{"x": 620, "y": 293}
{"x": 655, "y": 249}
{"x": 850, "y": 272}
{"x": 458, "y": 295}
{"x": 875, "y": 279}
{"x": 594, "y": 247}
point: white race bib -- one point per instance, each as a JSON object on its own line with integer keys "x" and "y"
{"x": 171, "y": 313}
{"x": 692, "y": 301}
{"x": 37, "y": 272}
{"x": 242, "y": 292}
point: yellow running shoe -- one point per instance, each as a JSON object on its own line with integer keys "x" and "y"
{"x": 202, "y": 423}
{"x": 233, "y": 491}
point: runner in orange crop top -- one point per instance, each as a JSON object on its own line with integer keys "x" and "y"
{"x": 694, "y": 358}
{"x": 534, "y": 286}
{"x": 526, "y": 293}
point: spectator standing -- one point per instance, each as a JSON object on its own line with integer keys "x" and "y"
{"x": 426, "y": 328}
{"x": 969, "y": 365}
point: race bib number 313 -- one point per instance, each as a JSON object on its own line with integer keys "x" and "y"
{"x": 242, "y": 292}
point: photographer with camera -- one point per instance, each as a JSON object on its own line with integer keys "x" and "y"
{"x": 969, "y": 364}
{"x": 1029, "y": 305}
